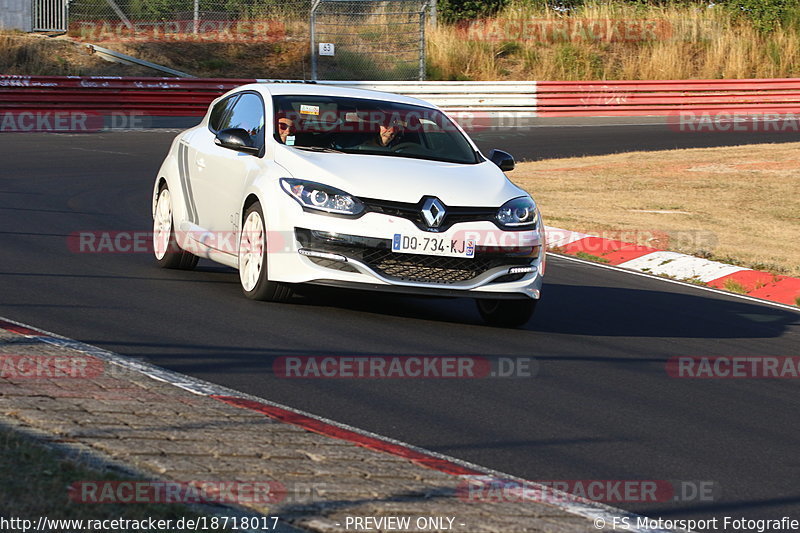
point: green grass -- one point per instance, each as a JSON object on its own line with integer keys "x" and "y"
{"x": 216, "y": 64}
{"x": 734, "y": 286}
{"x": 590, "y": 257}
{"x": 695, "y": 281}
{"x": 34, "y": 480}
{"x": 349, "y": 65}
{"x": 771, "y": 268}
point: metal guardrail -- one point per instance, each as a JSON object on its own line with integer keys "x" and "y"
{"x": 191, "y": 96}
{"x": 489, "y": 96}
{"x": 117, "y": 57}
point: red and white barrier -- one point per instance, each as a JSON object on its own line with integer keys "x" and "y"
{"x": 191, "y": 96}
{"x": 661, "y": 98}
{"x": 780, "y": 289}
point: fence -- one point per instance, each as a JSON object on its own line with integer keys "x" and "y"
{"x": 49, "y": 15}
{"x": 376, "y": 39}
{"x": 190, "y": 97}
{"x": 350, "y": 39}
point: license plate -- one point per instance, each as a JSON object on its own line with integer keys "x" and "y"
{"x": 407, "y": 244}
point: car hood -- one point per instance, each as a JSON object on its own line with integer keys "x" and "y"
{"x": 401, "y": 179}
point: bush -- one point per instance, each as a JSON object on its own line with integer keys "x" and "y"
{"x": 766, "y": 15}
{"x": 458, "y": 10}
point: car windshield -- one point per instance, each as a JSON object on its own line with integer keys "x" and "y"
{"x": 364, "y": 126}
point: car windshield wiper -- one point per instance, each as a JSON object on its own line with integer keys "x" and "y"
{"x": 319, "y": 149}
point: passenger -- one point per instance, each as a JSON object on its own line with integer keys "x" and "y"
{"x": 285, "y": 129}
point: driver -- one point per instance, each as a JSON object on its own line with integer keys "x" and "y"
{"x": 388, "y": 135}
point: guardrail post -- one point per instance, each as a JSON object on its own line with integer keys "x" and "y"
{"x": 422, "y": 43}
{"x": 313, "y": 32}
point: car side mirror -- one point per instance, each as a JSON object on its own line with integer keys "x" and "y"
{"x": 502, "y": 159}
{"x": 236, "y": 139}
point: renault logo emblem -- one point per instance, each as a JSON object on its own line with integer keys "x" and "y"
{"x": 433, "y": 212}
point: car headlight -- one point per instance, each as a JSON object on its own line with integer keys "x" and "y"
{"x": 321, "y": 197}
{"x": 518, "y": 213}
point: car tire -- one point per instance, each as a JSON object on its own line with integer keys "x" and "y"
{"x": 506, "y": 313}
{"x": 253, "y": 260}
{"x": 165, "y": 246}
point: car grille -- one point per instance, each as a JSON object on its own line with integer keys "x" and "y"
{"x": 413, "y": 212}
{"x": 377, "y": 254}
{"x": 425, "y": 268}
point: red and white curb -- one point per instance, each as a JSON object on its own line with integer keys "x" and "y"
{"x": 595, "y": 511}
{"x": 756, "y": 284}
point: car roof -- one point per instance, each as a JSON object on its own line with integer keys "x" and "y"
{"x": 314, "y": 89}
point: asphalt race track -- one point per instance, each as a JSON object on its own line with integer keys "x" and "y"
{"x": 601, "y": 406}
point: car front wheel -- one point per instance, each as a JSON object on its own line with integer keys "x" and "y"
{"x": 507, "y": 313}
{"x": 253, "y": 260}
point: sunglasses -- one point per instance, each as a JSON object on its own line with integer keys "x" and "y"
{"x": 284, "y": 126}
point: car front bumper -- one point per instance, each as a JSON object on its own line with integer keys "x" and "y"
{"x": 357, "y": 253}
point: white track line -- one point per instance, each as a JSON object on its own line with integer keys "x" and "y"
{"x": 678, "y": 282}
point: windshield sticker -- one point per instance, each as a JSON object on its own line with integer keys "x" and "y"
{"x": 309, "y": 109}
{"x": 290, "y": 140}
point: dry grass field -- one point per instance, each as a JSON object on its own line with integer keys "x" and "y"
{"x": 735, "y": 204}
{"x": 605, "y": 40}
{"x": 25, "y": 54}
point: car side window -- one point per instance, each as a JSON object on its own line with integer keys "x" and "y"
{"x": 247, "y": 114}
{"x": 219, "y": 112}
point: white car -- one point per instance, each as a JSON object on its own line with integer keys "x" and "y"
{"x": 300, "y": 183}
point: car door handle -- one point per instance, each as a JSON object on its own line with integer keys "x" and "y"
{"x": 201, "y": 162}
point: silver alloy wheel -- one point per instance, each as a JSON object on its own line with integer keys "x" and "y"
{"x": 251, "y": 251}
{"x": 162, "y": 224}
